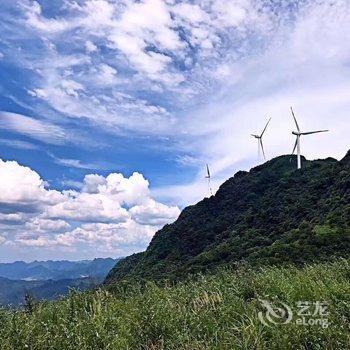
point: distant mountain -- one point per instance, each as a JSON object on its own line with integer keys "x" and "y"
{"x": 12, "y": 292}
{"x": 273, "y": 214}
{"x": 48, "y": 280}
{"x": 56, "y": 270}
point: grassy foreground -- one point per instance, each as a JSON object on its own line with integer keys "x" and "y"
{"x": 218, "y": 311}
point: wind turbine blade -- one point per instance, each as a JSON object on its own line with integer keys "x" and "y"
{"x": 295, "y": 146}
{"x": 313, "y": 132}
{"x": 208, "y": 172}
{"x": 295, "y": 119}
{"x": 262, "y": 148}
{"x": 265, "y": 128}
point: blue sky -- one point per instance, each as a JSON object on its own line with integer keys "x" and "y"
{"x": 92, "y": 91}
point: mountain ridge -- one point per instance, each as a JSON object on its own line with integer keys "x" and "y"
{"x": 56, "y": 269}
{"x": 262, "y": 216}
{"x": 48, "y": 280}
{"x": 12, "y": 292}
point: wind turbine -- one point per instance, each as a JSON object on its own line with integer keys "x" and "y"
{"x": 298, "y": 134}
{"x": 260, "y": 143}
{"x": 208, "y": 177}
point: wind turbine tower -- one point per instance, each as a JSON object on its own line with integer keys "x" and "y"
{"x": 208, "y": 177}
{"x": 298, "y": 135}
{"x": 260, "y": 142}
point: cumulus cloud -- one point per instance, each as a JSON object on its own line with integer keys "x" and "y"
{"x": 38, "y": 241}
{"x": 13, "y": 217}
{"x": 23, "y": 187}
{"x": 38, "y": 224}
{"x": 153, "y": 213}
{"x": 108, "y": 213}
{"x": 88, "y": 207}
{"x": 108, "y": 236}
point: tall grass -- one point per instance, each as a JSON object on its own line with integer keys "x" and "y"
{"x": 218, "y": 311}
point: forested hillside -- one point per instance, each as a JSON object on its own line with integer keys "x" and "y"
{"x": 273, "y": 214}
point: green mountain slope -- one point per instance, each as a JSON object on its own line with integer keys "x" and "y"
{"x": 272, "y": 214}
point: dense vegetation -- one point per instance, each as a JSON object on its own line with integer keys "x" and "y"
{"x": 273, "y": 214}
{"x": 216, "y": 311}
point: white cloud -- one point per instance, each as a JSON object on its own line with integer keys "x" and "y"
{"x": 36, "y": 20}
{"x": 44, "y": 225}
{"x": 34, "y": 128}
{"x": 88, "y": 207}
{"x": 141, "y": 37}
{"x": 153, "y": 213}
{"x": 130, "y": 191}
{"x": 2, "y": 240}
{"x": 108, "y": 213}
{"x": 39, "y": 241}
{"x": 98, "y": 13}
{"x": 92, "y": 182}
{"x": 107, "y": 74}
{"x": 71, "y": 87}
{"x": 18, "y": 144}
{"x": 22, "y": 186}
{"x": 232, "y": 14}
{"x": 108, "y": 199}
{"x": 191, "y": 13}
{"x": 150, "y": 40}
{"x": 151, "y": 22}
{"x": 189, "y": 161}
{"x": 76, "y": 163}
{"x": 90, "y": 46}
{"x": 13, "y": 217}
{"x": 108, "y": 236}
